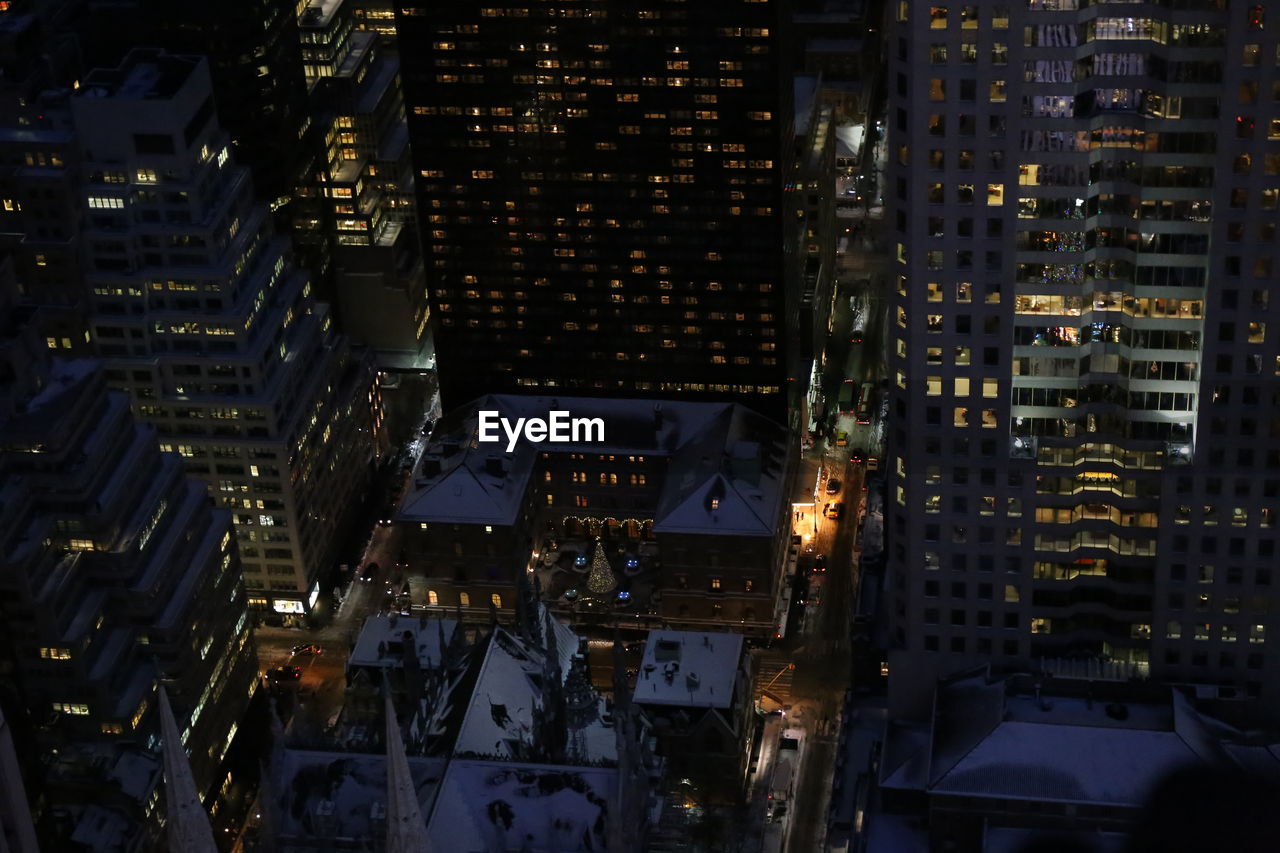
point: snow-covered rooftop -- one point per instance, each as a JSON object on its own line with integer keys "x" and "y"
{"x": 1067, "y": 763}
{"x": 509, "y": 807}
{"x": 727, "y": 462}
{"x": 382, "y": 638}
{"x": 499, "y": 720}
{"x": 689, "y": 668}
{"x": 341, "y": 794}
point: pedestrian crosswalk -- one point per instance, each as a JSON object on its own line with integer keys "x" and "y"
{"x": 774, "y": 674}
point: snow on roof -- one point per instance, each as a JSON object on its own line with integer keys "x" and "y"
{"x": 689, "y": 668}
{"x": 1068, "y": 763}
{"x": 729, "y": 480}
{"x": 342, "y": 794}
{"x": 381, "y": 640}
{"x": 891, "y": 833}
{"x": 100, "y": 828}
{"x": 499, "y": 719}
{"x": 508, "y": 807}
{"x": 63, "y": 374}
{"x": 1007, "y": 839}
{"x": 728, "y": 453}
{"x": 849, "y": 139}
{"x": 805, "y": 89}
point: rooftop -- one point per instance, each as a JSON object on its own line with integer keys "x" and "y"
{"x": 144, "y": 74}
{"x": 381, "y": 640}
{"x": 343, "y": 794}
{"x": 499, "y": 720}
{"x": 689, "y": 669}
{"x": 727, "y": 462}
{"x": 1003, "y": 740}
{"x": 486, "y": 806}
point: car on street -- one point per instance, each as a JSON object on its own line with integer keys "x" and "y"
{"x": 833, "y": 486}
{"x": 820, "y": 564}
{"x": 873, "y": 463}
{"x": 284, "y": 673}
{"x": 857, "y": 455}
{"x": 369, "y": 572}
{"x": 833, "y": 510}
{"x": 308, "y": 649}
{"x": 842, "y": 438}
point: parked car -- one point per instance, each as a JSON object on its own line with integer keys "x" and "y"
{"x": 284, "y": 673}
{"x": 833, "y": 486}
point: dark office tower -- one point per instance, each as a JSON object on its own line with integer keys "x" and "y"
{"x": 255, "y": 62}
{"x": 117, "y": 573}
{"x": 1085, "y": 459}
{"x": 602, "y": 197}
{"x": 39, "y": 210}
{"x": 366, "y": 186}
{"x": 202, "y": 316}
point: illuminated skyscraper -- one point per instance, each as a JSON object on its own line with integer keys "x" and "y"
{"x": 1084, "y": 462}
{"x": 202, "y": 316}
{"x": 602, "y": 193}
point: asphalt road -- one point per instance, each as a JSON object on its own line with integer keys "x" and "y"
{"x": 321, "y": 688}
{"x": 823, "y": 655}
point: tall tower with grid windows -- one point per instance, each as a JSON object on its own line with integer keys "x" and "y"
{"x": 1084, "y": 454}
{"x": 602, "y": 193}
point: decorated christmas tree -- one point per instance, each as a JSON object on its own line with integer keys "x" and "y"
{"x": 601, "y": 579}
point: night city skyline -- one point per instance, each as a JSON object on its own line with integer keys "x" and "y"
{"x": 545, "y": 426}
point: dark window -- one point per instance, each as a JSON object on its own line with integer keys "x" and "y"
{"x": 153, "y": 143}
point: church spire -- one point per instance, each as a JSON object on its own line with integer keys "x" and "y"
{"x": 188, "y": 822}
{"x": 406, "y": 830}
{"x": 15, "y": 813}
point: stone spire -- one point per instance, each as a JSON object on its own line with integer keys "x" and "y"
{"x": 188, "y": 822}
{"x": 551, "y": 736}
{"x": 527, "y": 609}
{"x": 406, "y": 830}
{"x": 627, "y": 812}
{"x": 15, "y": 813}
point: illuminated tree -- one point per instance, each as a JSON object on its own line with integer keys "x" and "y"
{"x": 601, "y": 579}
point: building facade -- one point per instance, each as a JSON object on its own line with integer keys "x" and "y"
{"x": 366, "y": 186}
{"x": 202, "y": 316}
{"x": 1083, "y": 458}
{"x": 117, "y": 573}
{"x": 681, "y": 505}
{"x": 604, "y": 201}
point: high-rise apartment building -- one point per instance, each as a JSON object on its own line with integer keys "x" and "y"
{"x": 603, "y": 198}
{"x": 1084, "y": 456}
{"x": 366, "y": 186}
{"x": 203, "y": 318}
{"x": 117, "y": 573}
